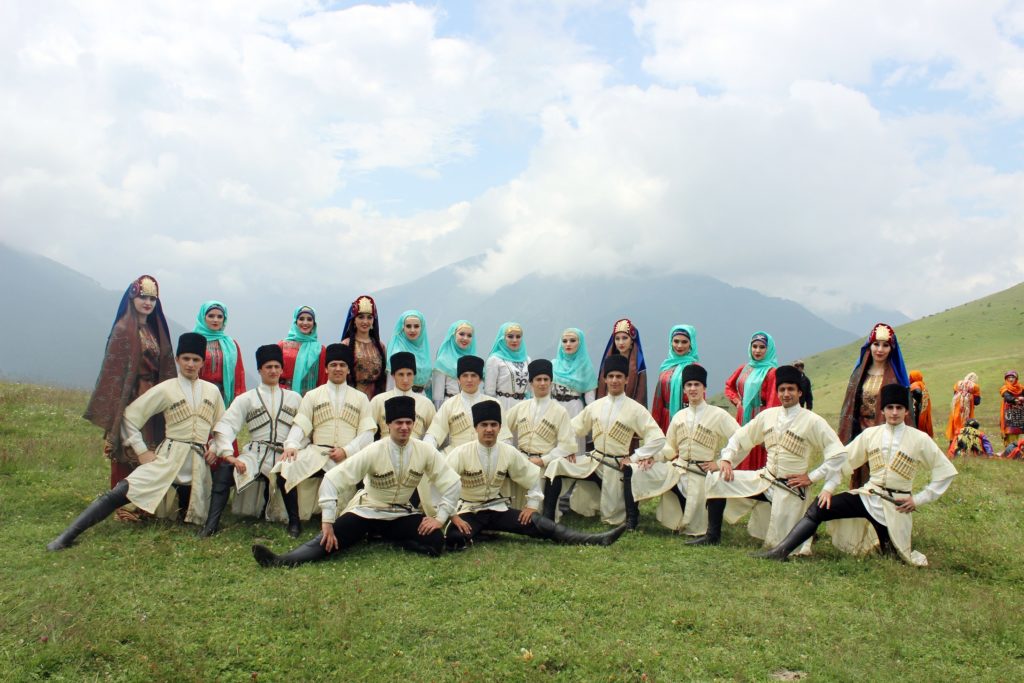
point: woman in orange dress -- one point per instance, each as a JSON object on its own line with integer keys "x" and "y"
{"x": 922, "y": 402}
{"x": 966, "y": 395}
{"x": 1011, "y": 410}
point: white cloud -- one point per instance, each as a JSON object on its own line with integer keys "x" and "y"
{"x": 206, "y": 140}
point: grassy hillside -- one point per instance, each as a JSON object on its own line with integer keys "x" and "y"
{"x": 153, "y": 602}
{"x": 985, "y": 336}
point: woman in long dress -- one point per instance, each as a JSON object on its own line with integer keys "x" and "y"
{"x": 137, "y": 357}
{"x": 922, "y": 402}
{"x": 506, "y": 376}
{"x": 458, "y": 342}
{"x": 966, "y": 395}
{"x": 303, "y": 367}
{"x": 751, "y": 388}
{"x": 410, "y": 334}
{"x": 1011, "y": 408}
{"x": 669, "y": 397}
{"x": 362, "y": 333}
{"x": 625, "y": 340}
{"x": 574, "y": 384}
{"x": 880, "y": 363}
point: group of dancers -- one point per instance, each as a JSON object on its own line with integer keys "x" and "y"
{"x": 387, "y": 442}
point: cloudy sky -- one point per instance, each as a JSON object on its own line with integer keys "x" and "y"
{"x": 827, "y": 151}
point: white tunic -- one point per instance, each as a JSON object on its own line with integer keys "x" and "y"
{"x": 894, "y": 454}
{"x": 330, "y": 416}
{"x": 506, "y": 381}
{"x": 453, "y": 424}
{"x": 794, "y": 438}
{"x": 268, "y": 413}
{"x": 613, "y": 421}
{"x": 695, "y": 435}
{"x": 425, "y": 412}
{"x": 442, "y": 387}
{"x": 574, "y": 403}
{"x": 486, "y": 474}
{"x": 190, "y": 409}
{"x": 339, "y": 485}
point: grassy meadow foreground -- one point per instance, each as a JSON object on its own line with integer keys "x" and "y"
{"x": 156, "y": 603}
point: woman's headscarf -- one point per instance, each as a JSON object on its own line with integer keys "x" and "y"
{"x": 626, "y": 325}
{"x": 362, "y": 304}
{"x": 308, "y": 356}
{"x": 418, "y": 347}
{"x": 449, "y": 353}
{"x": 500, "y": 347}
{"x": 575, "y": 371}
{"x": 144, "y": 285}
{"x": 677, "y": 361}
{"x": 1013, "y": 387}
{"x": 227, "y": 346}
{"x": 759, "y": 370}
{"x": 886, "y": 333}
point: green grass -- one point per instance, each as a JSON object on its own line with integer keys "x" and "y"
{"x": 156, "y": 603}
{"x": 984, "y": 336}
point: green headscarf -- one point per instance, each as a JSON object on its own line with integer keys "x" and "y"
{"x": 760, "y": 368}
{"x": 674, "y": 360}
{"x": 418, "y": 347}
{"x": 227, "y": 346}
{"x": 308, "y": 356}
{"x": 449, "y": 353}
{"x": 500, "y": 347}
{"x": 576, "y": 371}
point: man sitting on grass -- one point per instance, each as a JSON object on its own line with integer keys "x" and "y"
{"x": 390, "y": 470}
{"x": 485, "y": 467}
{"x": 190, "y": 408}
{"x": 894, "y": 452}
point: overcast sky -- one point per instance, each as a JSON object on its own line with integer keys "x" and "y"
{"x": 829, "y": 152}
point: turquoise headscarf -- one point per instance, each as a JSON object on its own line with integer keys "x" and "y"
{"x": 419, "y": 348}
{"x": 576, "y": 371}
{"x": 500, "y": 347}
{"x": 760, "y": 368}
{"x": 674, "y": 360}
{"x": 308, "y": 356}
{"x": 449, "y": 353}
{"x": 227, "y": 346}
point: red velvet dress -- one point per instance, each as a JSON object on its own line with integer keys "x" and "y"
{"x": 662, "y": 394}
{"x": 290, "y": 349}
{"x": 213, "y": 372}
{"x": 734, "y": 387}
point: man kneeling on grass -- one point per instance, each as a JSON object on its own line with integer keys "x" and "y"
{"x": 880, "y": 511}
{"x": 190, "y": 407}
{"x": 486, "y": 466}
{"x": 390, "y": 470}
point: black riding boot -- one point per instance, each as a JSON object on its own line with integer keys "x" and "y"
{"x": 98, "y": 510}
{"x": 803, "y": 530}
{"x": 567, "y": 536}
{"x": 184, "y": 492}
{"x": 291, "y": 506}
{"x": 223, "y": 478}
{"x": 552, "y": 489}
{"x": 713, "y": 536}
{"x": 310, "y": 551}
{"x": 632, "y": 507}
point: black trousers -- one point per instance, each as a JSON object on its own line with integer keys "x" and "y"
{"x": 490, "y": 520}
{"x": 847, "y": 505}
{"x": 350, "y": 529}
